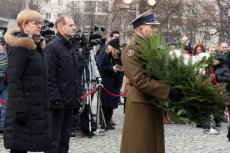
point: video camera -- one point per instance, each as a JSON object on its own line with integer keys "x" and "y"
{"x": 46, "y": 31}
{"x": 84, "y": 42}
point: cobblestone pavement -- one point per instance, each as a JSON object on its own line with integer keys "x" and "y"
{"x": 180, "y": 138}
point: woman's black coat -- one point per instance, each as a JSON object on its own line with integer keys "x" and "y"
{"x": 28, "y": 94}
{"x": 110, "y": 80}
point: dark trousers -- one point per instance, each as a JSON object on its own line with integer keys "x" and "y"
{"x": 17, "y": 151}
{"x": 75, "y": 122}
{"x": 108, "y": 112}
{"x": 61, "y": 125}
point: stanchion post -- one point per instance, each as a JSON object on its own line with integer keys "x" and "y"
{"x": 98, "y": 130}
{"x": 98, "y": 102}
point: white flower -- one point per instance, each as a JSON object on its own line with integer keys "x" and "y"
{"x": 199, "y": 57}
{"x": 178, "y": 53}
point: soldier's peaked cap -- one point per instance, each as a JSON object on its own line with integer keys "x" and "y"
{"x": 147, "y": 17}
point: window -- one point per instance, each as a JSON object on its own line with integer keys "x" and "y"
{"x": 48, "y": 15}
{"x": 60, "y": 2}
{"x": 89, "y": 6}
{"x": 102, "y": 7}
{"x": 75, "y": 5}
{"x": 47, "y": 2}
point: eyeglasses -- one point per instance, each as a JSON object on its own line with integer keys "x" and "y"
{"x": 37, "y": 23}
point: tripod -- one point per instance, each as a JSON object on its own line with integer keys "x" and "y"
{"x": 88, "y": 81}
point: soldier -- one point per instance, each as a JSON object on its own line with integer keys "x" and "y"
{"x": 143, "y": 127}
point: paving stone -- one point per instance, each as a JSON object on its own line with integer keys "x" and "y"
{"x": 179, "y": 138}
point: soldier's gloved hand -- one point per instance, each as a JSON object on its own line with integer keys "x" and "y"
{"x": 21, "y": 117}
{"x": 176, "y": 93}
{"x": 57, "y": 107}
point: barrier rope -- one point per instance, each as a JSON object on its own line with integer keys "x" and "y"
{"x": 115, "y": 95}
{"x": 106, "y": 90}
{"x": 89, "y": 93}
{"x": 3, "y": 102}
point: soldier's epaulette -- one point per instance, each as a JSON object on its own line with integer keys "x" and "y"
{"x": 133, "y": 46}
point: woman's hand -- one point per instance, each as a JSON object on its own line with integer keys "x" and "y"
{"x": 115, "y": 69}
{"x": 120, "y": 68}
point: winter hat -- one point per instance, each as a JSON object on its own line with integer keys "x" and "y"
{"x": 115, "y": 43}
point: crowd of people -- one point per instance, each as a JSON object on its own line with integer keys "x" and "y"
{"x": 45, "y": 82}
{"x": 42, "y": 85}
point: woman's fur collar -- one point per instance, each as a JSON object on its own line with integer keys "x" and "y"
{"x": 14, "y": 41}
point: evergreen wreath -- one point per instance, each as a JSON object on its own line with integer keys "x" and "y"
{"x": 200, "y": 96}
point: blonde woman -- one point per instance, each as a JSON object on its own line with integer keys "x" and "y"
{"x": 27, "y": 119}
{"x": 111, "y": 72}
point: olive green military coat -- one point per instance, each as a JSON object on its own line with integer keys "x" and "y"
{"x": 143, "y": 130}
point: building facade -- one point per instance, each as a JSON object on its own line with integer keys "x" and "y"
{"x": 200, "y": 20}
{"x": 86, "y": 13}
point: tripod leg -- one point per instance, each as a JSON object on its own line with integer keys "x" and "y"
{"x": 89, "y": 111}
{"x": 104, "y": 117}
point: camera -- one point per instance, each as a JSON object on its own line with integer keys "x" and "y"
{"x": 84, "y": 42}
{"x": 46, "y": 31}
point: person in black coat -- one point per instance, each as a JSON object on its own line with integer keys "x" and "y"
{"x": 27, "y": 117}
{"x": 222, "y": 74}
{"x": 111, "y": 72}
{"x": 224, "y": 48}
{"x": 63, "y": 83}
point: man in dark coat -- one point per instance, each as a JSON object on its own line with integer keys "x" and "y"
{"x": 224, "y": 48}
{"x": 63, "y": 76}
{"x": 27, "y": 118}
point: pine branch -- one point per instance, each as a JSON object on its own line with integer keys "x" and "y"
{"x": 199, "y": 94}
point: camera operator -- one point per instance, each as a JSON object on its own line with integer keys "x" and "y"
{"x": 63, "y": 83}
{"x": 84, "y": 48}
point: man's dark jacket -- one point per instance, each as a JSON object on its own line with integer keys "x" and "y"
{"x": 63, "y": 76}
